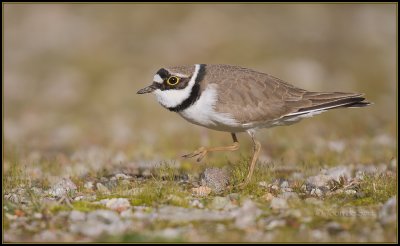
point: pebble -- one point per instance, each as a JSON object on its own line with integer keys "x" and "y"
{"x": 388, "y": 213}
{"x": 38, "y": 216}
{"x": 88, "y": 185}
{"x": 122, "y": 176}
{"x": 279, "y": 203}
{"x": 326, "y": 176}
{"x": 273, "y": 187}
{"x": 268, "y": 196}
{"x": 62, "y": 188}
{"x": 196, "y": 203}
{"x": 275, "y": 224}
{"x": 215, "y": 178}
{"x": 127, "y": 214}
{"x": 181, "y": 215}
{"x": 317, "y": 192}
{"x": 220, "y": 202}
{"x": 333, "y": 227}
{"x": 285, "y": 184}
{"x": 201, "y": 191}
{"x": 76, "y": 215}
{"x": 289, "y": 195}
{"x": 117, "y": 204}
{"x": 102, "y": 189}
{"x": 350, "y": 192}
{"x": 246, "y": 215}
{"x": 263, "y": 184}
{"x": 100, "y": 222}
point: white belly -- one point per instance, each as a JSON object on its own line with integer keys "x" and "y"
{"x": 203, "y": 113}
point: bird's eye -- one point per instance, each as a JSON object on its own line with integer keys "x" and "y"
{"x": 172, "y": 80}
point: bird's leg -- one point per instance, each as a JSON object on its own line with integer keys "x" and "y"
{"x": 257, "y": 147}
{"x": 202, "y": 151}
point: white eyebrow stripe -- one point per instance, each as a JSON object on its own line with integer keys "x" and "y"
{"x": 180, "y": 75}
{"x": 158, "y": 79}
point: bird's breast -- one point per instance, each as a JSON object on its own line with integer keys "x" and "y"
{"x": 203, "y": 113}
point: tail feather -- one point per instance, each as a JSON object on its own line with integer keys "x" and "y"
{"x": 325, "y": 101}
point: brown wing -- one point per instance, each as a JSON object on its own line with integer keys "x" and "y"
{"x": 250, "y": 96}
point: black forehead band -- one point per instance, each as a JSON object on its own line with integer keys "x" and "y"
{"x": 163, "y": 73}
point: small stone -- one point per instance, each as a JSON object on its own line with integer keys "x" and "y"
{"x": 170, "y": 233}
{"x": 215, "y": 178}
{"x": 46, "y": 236}
{"x": 286, "y": 189}
{"x": 316, "y": 192}
{"x": 246, "y": 215}
{"x": 101, "y": 222}
{"x": 38, "y": 216}
{"x": 220, "y": 202}
{"x": 285, "y": 184}
{"x": 196, "y": 203}
{"x": 62, "y": 188}
{"x": 319, "y": 180}
{"x": 334, "y": 227}
{"x": 350, "y": 192}
{"x": 127, "y": 214}
{"x": 263, "y": 184}
{"x": 79, "y": 198}
{"x": 274, "y": 187}
{"x": 388, "y": 213}
{"x": 182, "y": 215}
{"x": 275, "y": 223}
{"x": 279, "y": 203}
{"x": 117, "y": 204}
{"x": 289, "y": 195}
{"x": 201, "y": 191}
{"x": 13, "y": 198}
{"x": 88, "y": 185}
{"x": 102, "y": 189}
{"x": 326, "y": 176}
{"x": 76, "y": 215}
{"x": 268, "y": 197}
{"x": 120, "y": 176}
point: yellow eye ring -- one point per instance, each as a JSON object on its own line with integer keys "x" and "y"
{"x": 173, "y": 80}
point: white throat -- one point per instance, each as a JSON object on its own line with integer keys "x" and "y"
{"x": 173, "y": 98}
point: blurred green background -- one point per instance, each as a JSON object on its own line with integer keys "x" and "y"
{"x": 71, "y": 72}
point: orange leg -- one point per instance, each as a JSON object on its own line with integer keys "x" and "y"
{"x": 201, "y": 152}
{"x": 257, "y": 147}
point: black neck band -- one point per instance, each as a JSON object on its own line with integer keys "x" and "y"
{"x": 194, "y": 94}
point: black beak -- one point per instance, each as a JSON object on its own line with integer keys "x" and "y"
{"x": 147, "y": 89}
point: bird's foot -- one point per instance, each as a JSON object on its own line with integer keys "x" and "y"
{"x": 200, "y": 153}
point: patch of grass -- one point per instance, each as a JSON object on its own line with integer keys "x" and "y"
{"x": 262, "y": 172}
{"x": 58, "y": 208}
{"x": 15, "y": 176}
{"x": 138, "y": 237}
{"x": 85, "y": 206}
{"x": 163, "y": 188}
{"x": 379, "y": 187}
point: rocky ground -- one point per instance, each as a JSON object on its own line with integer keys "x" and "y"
{"x": 355, "y": 203}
